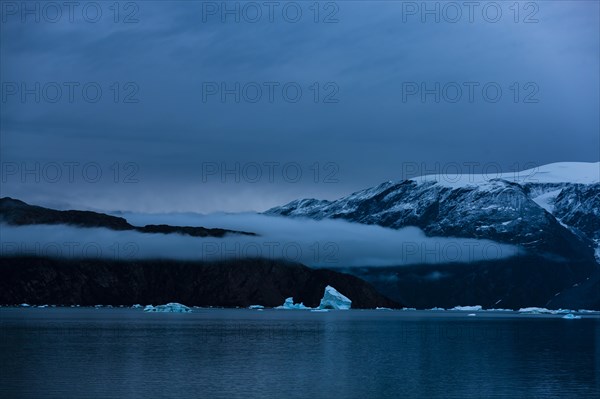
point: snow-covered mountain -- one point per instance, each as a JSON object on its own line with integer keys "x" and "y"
{"x": 540, "y": 208}
{"x": 552, "y": 212}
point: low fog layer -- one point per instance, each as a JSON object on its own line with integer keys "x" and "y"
{"x": 326, "y": 243}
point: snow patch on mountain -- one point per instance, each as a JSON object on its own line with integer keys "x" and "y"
{"x": 546, "y": 200}
{"x": 560, "y": 172}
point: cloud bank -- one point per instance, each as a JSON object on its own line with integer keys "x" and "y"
{"x": 325, "y": 243}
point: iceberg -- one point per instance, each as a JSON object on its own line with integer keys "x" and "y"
{"x": 136, "y": 306}
{"x": 256, "y": 307}
{"x": 332, "y": 299}
{"x": 471, "y": 314}
{"x": 436, "y": 309}
{"x": 571, "y": 316}
{"x": 289, "y": 305}
{"x": 24, "y": 305}
{"x": 467, "y": 308}
{"x": 172, "y": 307}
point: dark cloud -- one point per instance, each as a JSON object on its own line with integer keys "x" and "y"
{"x": 369, "y": 56}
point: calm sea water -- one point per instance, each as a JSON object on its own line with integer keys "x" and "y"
{"x": 217, "y": 353}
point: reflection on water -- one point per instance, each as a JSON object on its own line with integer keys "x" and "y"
{"x": 213, "y": 353}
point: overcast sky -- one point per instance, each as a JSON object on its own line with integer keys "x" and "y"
{"x": 171, "y": 131}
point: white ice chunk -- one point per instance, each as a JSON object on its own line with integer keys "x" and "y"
{"x": 256, "y": 307}
{"x": 24, "y": 305}
{"x": 471, "y": 314}
{"x": 136, "y": 306}
{"x": 436, "y": 309}
{"x": 332, "y": 299}
{"x": 571, "y": 316}
{"x": 172, "y": 307}
{"x": 467, "y": 308}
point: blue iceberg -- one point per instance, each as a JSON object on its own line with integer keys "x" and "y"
{"x": 289, "y": 305}
{"x": 172, "y": 307}
{"x": 332, "y": 299}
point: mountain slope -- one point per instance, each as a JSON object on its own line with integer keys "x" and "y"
{"x": 552, "y": 212}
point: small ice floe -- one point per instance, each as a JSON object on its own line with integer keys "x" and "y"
{"x": 259, "y": 307}
{"x": 383, "y": 308}
{"x": 497, "y": 310}
{"x": 467, "y": 308}
{"x": 42, "y": 306}
{"x": 571, "y": 316}
{"x": 534, "y": 310}
{"x": 436, "y": 309}
{"x": 587, "y": 311}
{"x": 288, "y": 304}
{"x": 172, "y": 307}
{"x": 332, "y": 299}
{"x": 25, "y": 305}
{"x": 471, "y": 314}
{"x": 409, "y": 308}
{"x": 319, "y": 310}
{"x": 136, "y": 306}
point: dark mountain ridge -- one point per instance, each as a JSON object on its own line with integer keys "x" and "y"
{"x": 239, "y": 283}
{"x": 18, "y": 213}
